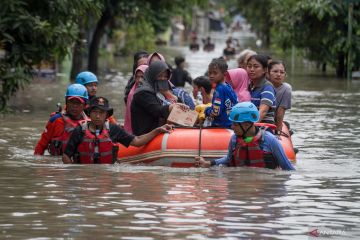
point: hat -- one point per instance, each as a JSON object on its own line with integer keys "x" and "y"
{"x": 78, "y": 98}
{"x": 102, "y": 103}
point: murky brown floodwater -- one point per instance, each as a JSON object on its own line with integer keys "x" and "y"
{"x": 42, "y": 198}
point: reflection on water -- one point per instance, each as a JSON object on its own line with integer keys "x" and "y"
{"x": 42, "y": 198}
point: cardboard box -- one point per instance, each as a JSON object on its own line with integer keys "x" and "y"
{"x": 181, "y": 117}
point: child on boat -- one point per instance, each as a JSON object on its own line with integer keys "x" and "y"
{"x": 224, "y": 97}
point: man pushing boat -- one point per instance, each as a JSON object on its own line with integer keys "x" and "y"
{"x": 93, "y": 141}
{"x": 250, "y": 145}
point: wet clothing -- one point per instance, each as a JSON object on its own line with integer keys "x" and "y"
{"x": 223, "y": 100}
{"x": 249, "y": 153}
{"x": 209, "y": 47}
{"x": 283, "y": 96}
{"x": 96, "y": 147}
{"x": 78, "y": 144}
{"x": 179, "y": 77}
{"x": 269, "y": 143}
{"x": 56, "y": 134}
{"x": 147, "y": 110}
{"x": 264, "y": 93}
{"x": 229, "y": 52}
{"x": 194, "y": 47}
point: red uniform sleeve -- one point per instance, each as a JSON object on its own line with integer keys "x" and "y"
{"x": 52, "y": 130}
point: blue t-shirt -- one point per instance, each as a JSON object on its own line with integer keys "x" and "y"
{"x": 264, "y": 93}
{"x": 223, "y": 100}
{"x": 269, "y": 144}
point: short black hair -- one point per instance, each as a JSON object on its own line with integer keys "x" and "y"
{"x": 178, "y": 60}
{"x": 262, "y": 59}
{"x": 219, "y": 63}
{"x": 204, "y": 82}
{"x": 271, "y": 65}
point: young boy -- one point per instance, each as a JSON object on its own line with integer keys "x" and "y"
{"x": 202, "y": 84}
{"x": 224, "y": 97}
{"x": 202, "y": 89}
{"x": 93, "y": 141}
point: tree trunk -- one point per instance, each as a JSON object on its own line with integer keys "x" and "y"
{"x": 95, "y": 42}
{"x": 77, "y": 55}
{"x": 340, "y": 68}
{"x": 323, "y": 67}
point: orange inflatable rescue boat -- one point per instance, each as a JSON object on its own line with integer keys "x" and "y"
{"x": 179, "y": 148}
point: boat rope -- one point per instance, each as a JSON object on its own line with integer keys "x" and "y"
{"x": 200, "y": 130}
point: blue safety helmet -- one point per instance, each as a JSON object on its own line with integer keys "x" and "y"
{"x": 85, "y": 78}
{"x": 77, "y": 90}
{"x": 244, "y": 112}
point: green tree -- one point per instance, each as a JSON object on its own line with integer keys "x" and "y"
{"x": 319, "y": 28}
{"x": 133, "y": 13}
{"x": 32, "y": 31}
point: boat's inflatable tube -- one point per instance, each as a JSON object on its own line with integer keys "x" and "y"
{"x": 179, "y": 148}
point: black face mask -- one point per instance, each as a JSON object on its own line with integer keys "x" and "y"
{"x": 162, "y": 85}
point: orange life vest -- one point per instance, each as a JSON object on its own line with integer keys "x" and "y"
{"x": 58, "y": 144}
{"x": 95, "y": 148}
{"x": 250, "y": 154}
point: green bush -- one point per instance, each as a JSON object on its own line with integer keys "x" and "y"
{"x": 139, "y": 35}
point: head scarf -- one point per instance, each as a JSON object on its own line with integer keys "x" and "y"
{"x": 239, "y": 81}
{"x": 137, "y": 56}
{"x": 150, "y": 76}
{"x": 155, "y": 54}
{"x": 127, "y": 120}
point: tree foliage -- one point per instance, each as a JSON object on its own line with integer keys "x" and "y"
{"x": 137, "y": 15}
{"x": 35, "y": 30}
{"x": 318, "y": 28}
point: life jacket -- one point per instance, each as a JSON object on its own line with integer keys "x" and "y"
{"x": 95, "y": 148}
{"x": 250, "y": 154}
{"x": 58, "y": 144}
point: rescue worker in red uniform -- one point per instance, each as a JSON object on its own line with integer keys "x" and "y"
{"x": 90, "y": 81}
{"x": 93, "y": 141}
{"x": 250, "y": 145}
{"x": 60, "y": 125}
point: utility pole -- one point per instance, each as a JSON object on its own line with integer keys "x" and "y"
{"x": 349, "y": 38}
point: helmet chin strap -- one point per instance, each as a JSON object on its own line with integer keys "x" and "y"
{"x": 245, "y": 131}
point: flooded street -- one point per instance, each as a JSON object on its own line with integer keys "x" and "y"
{"x": 42, "y": 198}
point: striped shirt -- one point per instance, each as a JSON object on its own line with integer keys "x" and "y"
{"x": 264, "y": 93}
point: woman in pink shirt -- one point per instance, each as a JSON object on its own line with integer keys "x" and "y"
{"x": 139, "y": 74}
